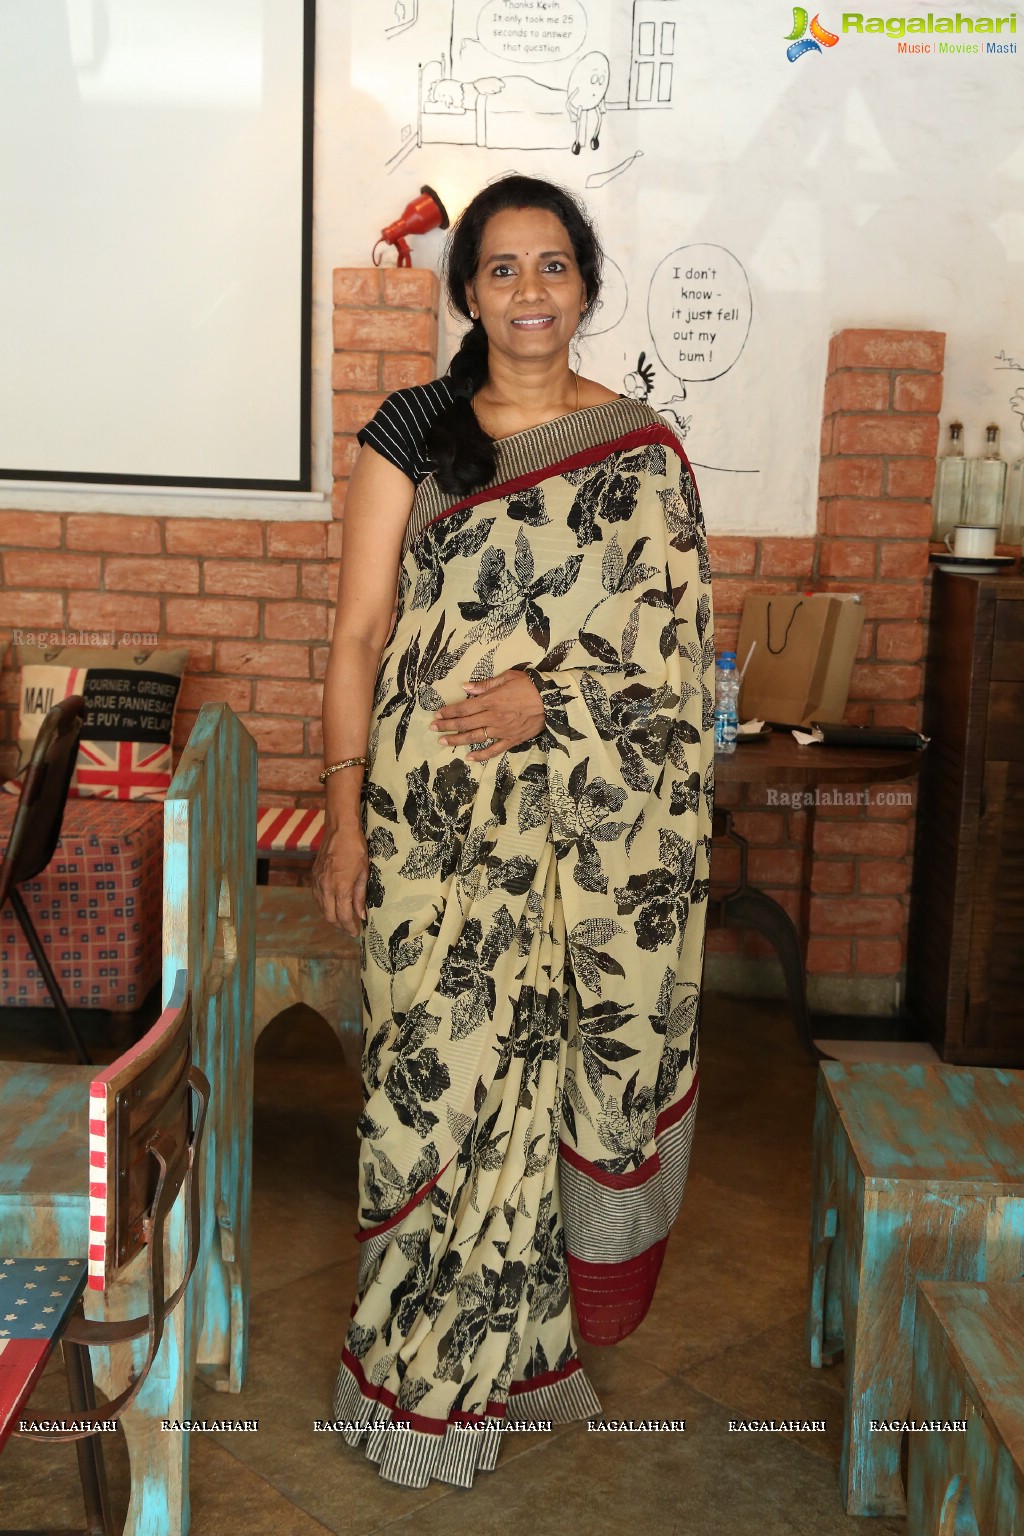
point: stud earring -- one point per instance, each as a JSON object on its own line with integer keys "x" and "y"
{"x": 472, "y": 314}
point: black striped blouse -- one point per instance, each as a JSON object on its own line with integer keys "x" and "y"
{"x": 399, "y": 429}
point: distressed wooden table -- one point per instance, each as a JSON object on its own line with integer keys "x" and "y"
{"x": 968, "y": 1366}
{"x": 778, "y": 762}
{"x": 918, "y": 1175}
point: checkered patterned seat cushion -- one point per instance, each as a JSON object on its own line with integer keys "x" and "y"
{"x": 97, "y": 908}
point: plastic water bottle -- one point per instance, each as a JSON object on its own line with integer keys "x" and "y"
{"x": 727, "y": 692}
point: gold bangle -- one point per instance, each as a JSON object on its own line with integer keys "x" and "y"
{"x": 347, "y": 762}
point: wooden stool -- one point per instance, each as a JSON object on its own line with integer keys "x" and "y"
{"x": 918, "y": 1175}
{"x": 968, "y": 1365}
{"x": 301, "y": 958}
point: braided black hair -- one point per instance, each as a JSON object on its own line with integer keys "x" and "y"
{"x": 462, "y": 453}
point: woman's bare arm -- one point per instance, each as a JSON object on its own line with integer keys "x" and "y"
{"x": 376, "y": 515}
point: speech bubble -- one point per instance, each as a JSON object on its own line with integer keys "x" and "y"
{"x": 611, "y": 306}
{"x": 532, "y": 31}
{"x": 699, "y": 310}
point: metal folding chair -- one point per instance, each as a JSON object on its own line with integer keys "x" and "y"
{"x": 36, "y": 829}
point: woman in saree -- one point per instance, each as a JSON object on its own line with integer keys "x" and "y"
{"x": 526, "y": 861}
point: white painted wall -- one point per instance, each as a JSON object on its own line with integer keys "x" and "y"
{"x": 853, "y": 187}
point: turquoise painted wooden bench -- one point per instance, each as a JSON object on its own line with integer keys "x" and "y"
{"x": 968, "y": 1367}
{"x": 301, "y": 958}
{"x": 135, "y": 1143}
{"x": 918, "y": 1175}
{"x": 208, "y": 931}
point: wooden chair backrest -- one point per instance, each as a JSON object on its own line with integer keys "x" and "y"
{"x": 44, "y": 793}
{"x": 209, "y": 931}
{"x": 142, "y": 1099}
{"x": 210, "y": 867}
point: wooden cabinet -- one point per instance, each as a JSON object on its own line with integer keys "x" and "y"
{"x": 965, "y": 963}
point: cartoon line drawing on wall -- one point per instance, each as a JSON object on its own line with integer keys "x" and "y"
{"x": 1017, "y": 405}
{"x": 1005, "y": 363}
{"x": 699, "y": 310}
{"x": 614, "y": 300}
{"x": 517, "y": 75}
{"x": 608, "y": 313}
{"x": 585, "y": 94}
{"x": 639, "y": 385}
{"x": 406, "y": 13}
{"x": 598, "y": 179}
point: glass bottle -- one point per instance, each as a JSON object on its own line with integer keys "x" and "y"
{"x": 987, "y": 484}
{"x": 1012, "y": 531}
{"x": 950, "y": 484}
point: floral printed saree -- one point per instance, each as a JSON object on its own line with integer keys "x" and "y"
{"x": 534, "y": 940}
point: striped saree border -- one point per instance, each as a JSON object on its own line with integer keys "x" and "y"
{"x": 376, "y": 1236}
{"x": 450, "y": 1450}
{"x": 617, "y": 1226}
{"x": 636, "y": 1176}
{"x": 568, "y": 442}
{"x": 613, "y": 1299}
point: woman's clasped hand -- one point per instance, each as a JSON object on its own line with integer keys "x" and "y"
{"x": 499, "y": 713}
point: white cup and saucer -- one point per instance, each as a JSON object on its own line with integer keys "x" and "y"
{"x": 972, "y": 541}
{"x": 971, "y": 546}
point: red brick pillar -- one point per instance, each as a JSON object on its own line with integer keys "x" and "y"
{"x": 879, "y": 440}
{"x": 385, "y": 338}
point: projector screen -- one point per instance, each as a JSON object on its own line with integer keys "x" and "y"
{"x": 155, "y": 241}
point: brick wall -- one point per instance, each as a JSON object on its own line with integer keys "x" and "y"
{"x": 385, "y": 338}
{"x": 249, "y": 601}
{"x": 252, "y": 601}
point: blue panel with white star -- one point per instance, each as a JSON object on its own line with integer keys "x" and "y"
{"x": 37, "y": 1294}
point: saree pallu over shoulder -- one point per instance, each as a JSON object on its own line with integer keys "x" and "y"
{"x": 534, "y": 941}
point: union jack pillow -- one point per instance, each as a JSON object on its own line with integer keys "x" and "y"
{"x": 124, "y": 751}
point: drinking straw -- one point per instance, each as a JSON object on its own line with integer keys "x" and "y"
{"x": 746, "y": 664}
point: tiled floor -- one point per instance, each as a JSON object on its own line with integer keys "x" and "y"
{"x": 723, "y": 1340}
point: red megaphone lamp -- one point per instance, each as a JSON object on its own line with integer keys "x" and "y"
{"x": 424, "y": 213}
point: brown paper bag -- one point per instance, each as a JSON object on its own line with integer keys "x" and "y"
{"x": 803, "y": 657}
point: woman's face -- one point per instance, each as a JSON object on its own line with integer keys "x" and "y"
{"x": 528, "y": 290}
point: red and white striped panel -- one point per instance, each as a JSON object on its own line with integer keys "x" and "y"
{"x": 288, "y": 829}
{"x": 97, "y": 1184}
{"x": 102, "y": 1109}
